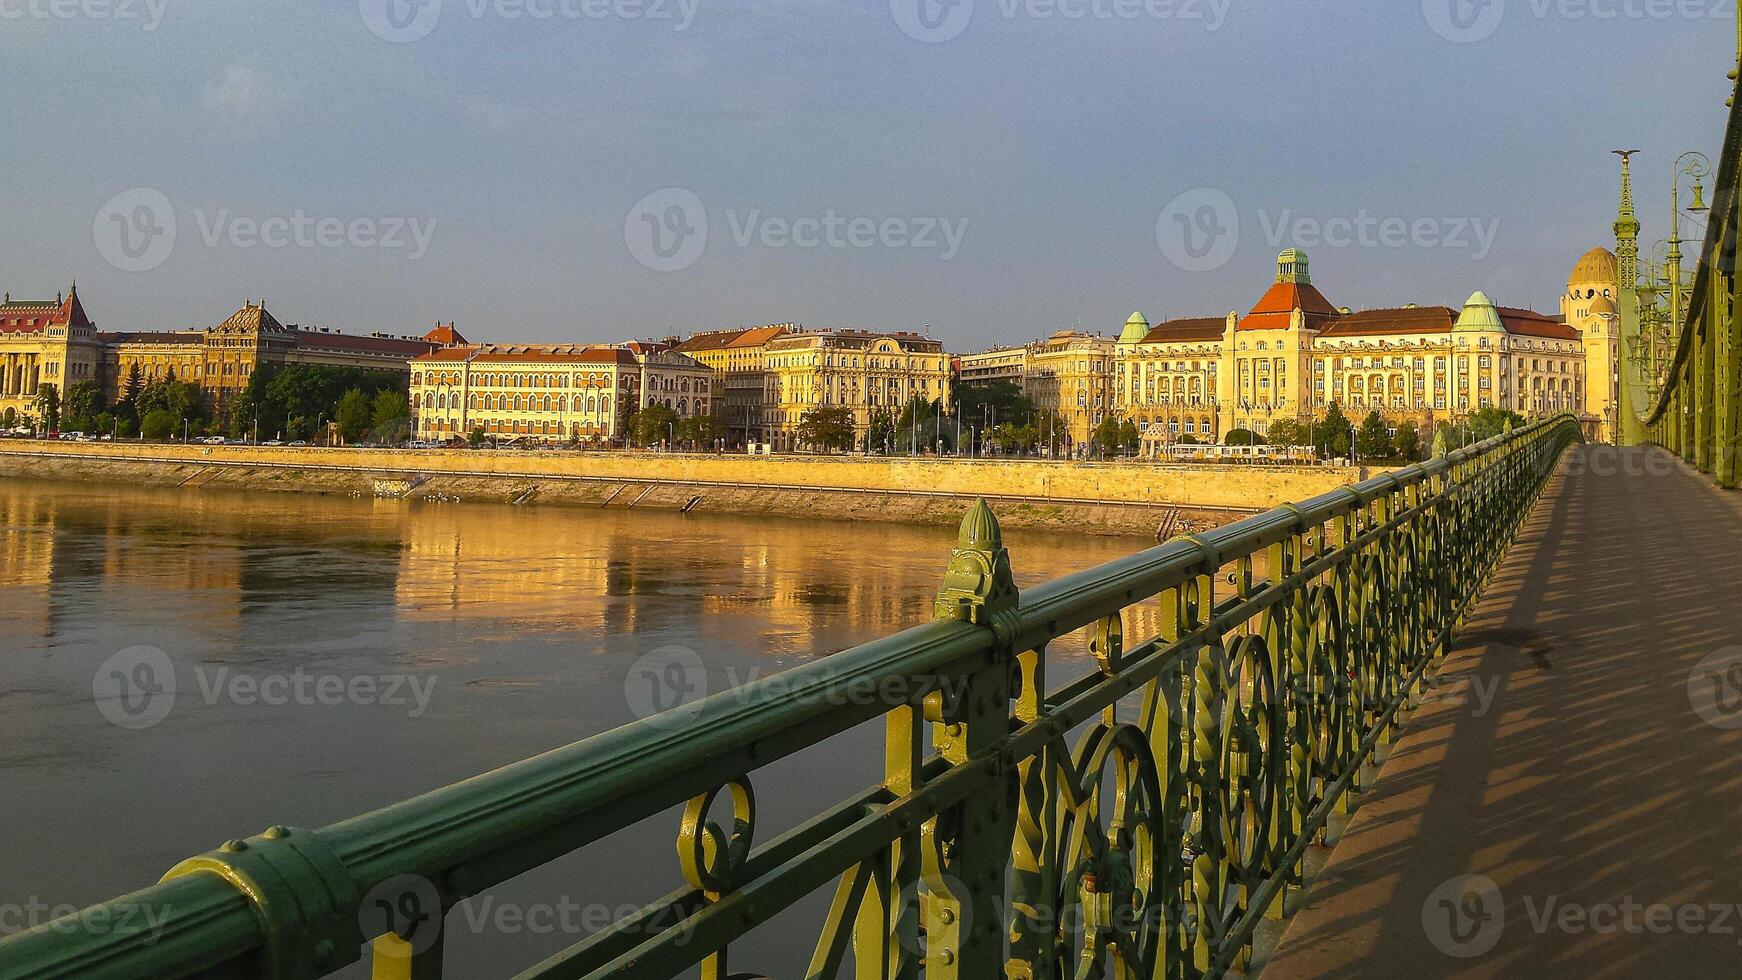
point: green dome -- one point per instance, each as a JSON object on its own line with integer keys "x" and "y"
{"x": 1135, "y": 330}
{"x": 1480, "y": 314}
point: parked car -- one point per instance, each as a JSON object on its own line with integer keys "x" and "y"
{"x": 299, "y": 442}
{"x": 70, "y": 436}
{"x": 273, "y": 442}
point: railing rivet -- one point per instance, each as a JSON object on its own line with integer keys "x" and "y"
{"x": 947, "y": 956}
{"x": 947, "y": 915}
{"x": 277, "y": 832}
{"x": 233, "y": 846}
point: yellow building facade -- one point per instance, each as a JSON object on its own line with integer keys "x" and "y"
{"x": 867, "y": 372}
{"x": 551, "y": 392}
{"x": 738, "y": 359}
{"x": 1294, "y": 354}
{"x": 1071, "y": 375}
{"x": 42, "y": 343}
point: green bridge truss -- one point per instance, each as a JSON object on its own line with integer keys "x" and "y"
{"x": 1137, "y": 821}
{"x": 1694, "y": 408}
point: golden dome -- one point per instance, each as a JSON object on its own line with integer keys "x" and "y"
{"x": 1602, "y": 305}
{"x": 1598, "y": 266}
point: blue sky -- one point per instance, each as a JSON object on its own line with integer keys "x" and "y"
{"x": 996, "y": 169}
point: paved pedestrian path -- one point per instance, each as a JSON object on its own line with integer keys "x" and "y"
{"x": 1568, "y": 801}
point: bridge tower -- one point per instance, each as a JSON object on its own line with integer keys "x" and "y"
{"x": 1634, "y": 364}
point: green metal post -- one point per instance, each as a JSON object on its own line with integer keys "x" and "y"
{"x": 1727, "y": 400}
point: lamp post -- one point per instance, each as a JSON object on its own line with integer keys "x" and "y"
{"x": 1698, "y": 166}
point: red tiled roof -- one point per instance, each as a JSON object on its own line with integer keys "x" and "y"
{"x": 1276, "y": 306}
{"x": 445, "y": 335}
{"x": 1532, "y": 324}
{"x": 1405, "y": 320}
{"x": 360, "y": 344}
{"x": 1187, "y": 329}
{"x": 553, "y": 355}
{"x": 16, "y": 316}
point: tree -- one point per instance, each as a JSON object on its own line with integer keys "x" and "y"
{"x": 353, "y": 415}
{"x": 130, "y": 391}
{"x": 1491, "y": 421}
{"x": 1331, "y": 433}
{"x": 879, "y": 433}
{"x": 1289, "y": 432}
{"x": 476, "y": 437}
{"x": 81, "y": 405}
{"x": 1374, "y": 439}
{"x": 1106, "y": 436}
{"x": 48, "y": 403}
{"x": 1129, "y": 439}
{"x": 827, "y": 427}
{"x": 1243, "y": 437}
{"x": 1408, "y": 440}
{"x": 923, "y": 421}
{"x": 391, "y": 415}
{"x": 992, "y": 402}
{"x": 653, "y": 424}
{"x": 158, "y": 424}
{"x": 699, "y": 431}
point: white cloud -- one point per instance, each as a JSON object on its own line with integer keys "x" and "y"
{"x": 246, "y": 98}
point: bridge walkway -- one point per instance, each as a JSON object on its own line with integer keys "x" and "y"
{"x": 1568, "y": 800}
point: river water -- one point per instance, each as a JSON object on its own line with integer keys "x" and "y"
{"x": 333, "y": 655}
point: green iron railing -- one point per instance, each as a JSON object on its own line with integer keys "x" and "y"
{"x": 1138, "y": 821}
{"x": 1698, "y": 411}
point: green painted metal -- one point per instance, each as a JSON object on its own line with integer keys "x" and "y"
{"x": 1696, "y": 413}
{"x": 1137, "y": 821}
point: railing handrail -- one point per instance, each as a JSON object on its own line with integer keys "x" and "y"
{"x": 476, "y": 833}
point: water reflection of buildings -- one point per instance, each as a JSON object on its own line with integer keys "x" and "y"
{"x": 653, "y": 573}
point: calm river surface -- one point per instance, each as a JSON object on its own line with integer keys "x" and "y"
{"x": 331, "y": 656}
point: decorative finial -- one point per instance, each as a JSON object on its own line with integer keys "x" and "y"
{"x": 978, "y": 587}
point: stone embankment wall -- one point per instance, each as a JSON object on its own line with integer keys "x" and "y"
{"x": 1107, "y": 498}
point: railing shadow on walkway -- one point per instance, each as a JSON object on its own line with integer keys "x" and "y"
{"x": 1572, "y": 759}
